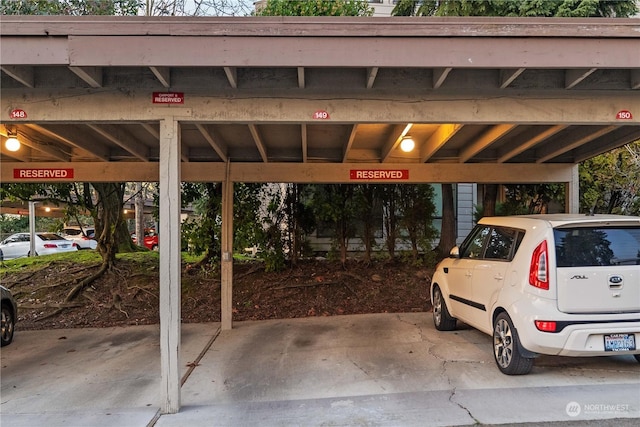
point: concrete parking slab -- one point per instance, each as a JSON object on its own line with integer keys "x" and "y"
{"x": 379, "y": 370}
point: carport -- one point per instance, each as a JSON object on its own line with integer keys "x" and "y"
{"x": 314, "y": 100}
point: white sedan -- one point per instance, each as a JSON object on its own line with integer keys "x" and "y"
{"x": 19, "y": 245}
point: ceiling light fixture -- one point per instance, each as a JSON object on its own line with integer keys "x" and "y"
{"x": 12, "y": 142}
{"x": 408, "y": 144}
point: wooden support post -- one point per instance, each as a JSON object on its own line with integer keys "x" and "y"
{"x": 170, "y": 271}
{"x": 227, "y": 255}
{"x": 573, "y": 191}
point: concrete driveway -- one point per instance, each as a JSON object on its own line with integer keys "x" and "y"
{"x": 369, "y": 370}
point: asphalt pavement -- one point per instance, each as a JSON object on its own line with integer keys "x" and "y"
{"x": 358, "y": 370}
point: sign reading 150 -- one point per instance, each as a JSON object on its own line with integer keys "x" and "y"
{"x": 624, "y": 115}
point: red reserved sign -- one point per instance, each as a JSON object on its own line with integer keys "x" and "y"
{"x": 168, "y": 97}
{"x": 384, "y": 174}
{"x": 43, "y": 173}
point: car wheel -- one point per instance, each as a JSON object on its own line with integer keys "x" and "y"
{"x": 1, "y": 256}
{"x": 441, "y": 317}
{"x": 506, "y": 348}
{"x": 8, "y": 324}
{"x": 155, "y": 248}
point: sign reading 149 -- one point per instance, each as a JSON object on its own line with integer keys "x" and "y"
{"x": 321, "y": 115}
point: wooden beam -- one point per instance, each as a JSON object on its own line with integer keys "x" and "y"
{"x": 347, "y": 148}
{"x": 301, "y": 79}
{"x": 556, "y": 150}
{"x": 573, "y": 77}
{"x": 97, "y": 150}
{"x": 54, "y": 152}
{"x": 214, "y": 141}
{"x": 436, "y": 141}
{"x": 635, "y": 79}
{"x": 91, "y": 75}
{"x": 439, "y": 76}
{"x": 232, "y": 76}
{"x": 399, "y": 132}
{"x": 482, "y": 143}
{"x": 532, "y": 142}
{"x": 338, "y": 173}
{"x": 258, "y": 141}
{"x": 163, "y": 74}
{"x": 305, "y": 142}
{"x": 372, "y": 72}
{"x": 508, "y": 76}
{"x": 22, "y": 74}
{"x": 122, "y": 140}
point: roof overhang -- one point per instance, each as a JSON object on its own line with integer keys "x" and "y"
{"x": 255, "y": 93}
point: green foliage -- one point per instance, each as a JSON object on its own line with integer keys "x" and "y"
{"x": 70, "y": 7}
{"x": 10, "y": 224}
{"x": 417, "y": 211}
{"x": 610, "y": 182}
{"x": 522, "y": 8}
{"x": 315, "y": 8}
{"x": 335, "y": 204}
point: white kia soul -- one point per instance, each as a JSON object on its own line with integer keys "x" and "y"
{"x": 558, "y": 284}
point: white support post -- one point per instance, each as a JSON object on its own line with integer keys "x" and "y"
{"x": 573, "y": 191}
{"x": 170, "y": 285}
{"x": 227, "y": 255}
{"x": 32, "y": 228}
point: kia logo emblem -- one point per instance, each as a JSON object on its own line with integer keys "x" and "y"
{"x": 615, "y": 279}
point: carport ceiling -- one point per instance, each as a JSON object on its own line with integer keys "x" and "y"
{"x": 337, "y": 90}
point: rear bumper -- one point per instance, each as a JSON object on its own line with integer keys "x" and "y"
{"x": 581, "y": 335}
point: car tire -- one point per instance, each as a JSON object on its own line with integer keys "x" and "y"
{"x": 155, "y": 248}
{"x": 441, "y": 317}
{"x": 1, "y": 256}
{"x": 8, "y": 325}
{"x": 506, "y": 348}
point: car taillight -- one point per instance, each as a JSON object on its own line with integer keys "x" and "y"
{"x": 545, "y": 326}
{"x": 74, "y": 245}
{"x": 50, "y": 245}
{"x": 538, "y": 270}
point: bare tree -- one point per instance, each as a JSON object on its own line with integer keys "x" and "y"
{"x": 198, "y": 7}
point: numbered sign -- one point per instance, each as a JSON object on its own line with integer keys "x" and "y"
{"x": 624, "y": 115}
{"x": 321, "y": 115}
{"x": 17, "y": 114}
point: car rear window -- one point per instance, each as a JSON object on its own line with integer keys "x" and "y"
{"x": 50, "y": 236}
{"x": 597, "y": 246}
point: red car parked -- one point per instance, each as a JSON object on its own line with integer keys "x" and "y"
{"x": 150, "y": 239}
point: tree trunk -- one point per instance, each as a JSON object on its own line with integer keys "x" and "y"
{"x": 111, "y": 230}
{"x": 448, "y": 232}
{"x": 489, "y": 199}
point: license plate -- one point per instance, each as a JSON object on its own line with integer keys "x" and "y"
{"x": 619, "y": 342}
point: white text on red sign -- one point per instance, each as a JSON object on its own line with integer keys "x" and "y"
{"x": 43, "y": 173}
{"x": 395, "y": 174}
{"x": 168, "y": 97}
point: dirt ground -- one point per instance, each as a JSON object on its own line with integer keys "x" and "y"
{"x": 129, "y": 294}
